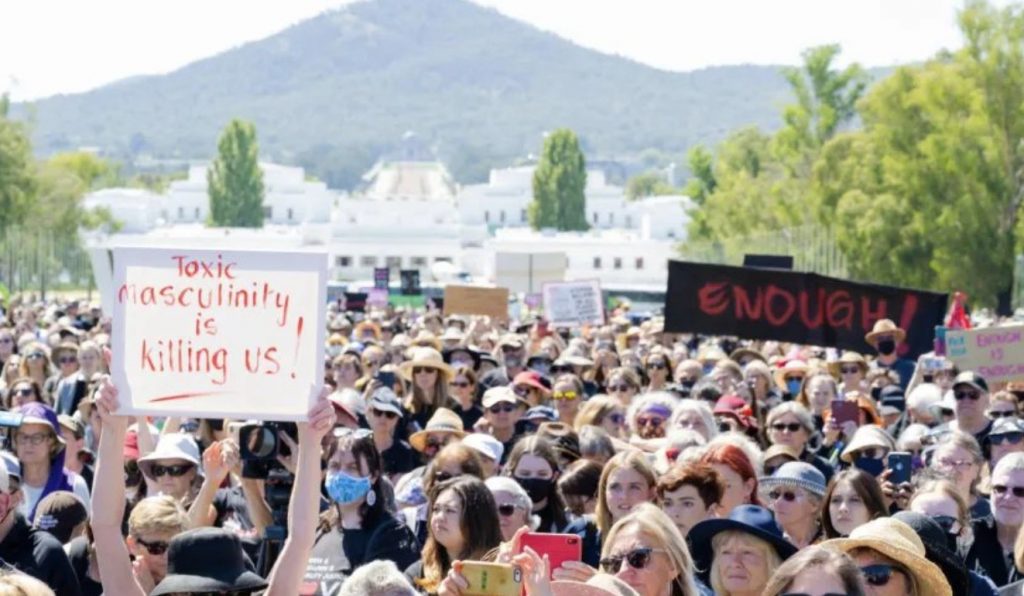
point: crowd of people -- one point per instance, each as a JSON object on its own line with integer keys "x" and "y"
{"x": 443, "y": 450}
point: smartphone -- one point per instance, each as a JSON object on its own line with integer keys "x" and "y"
{"x": 933, "y": 364}
{"x": 386, "y": 378}
{"x": 491, "y": 579}
{"x": 901, "y": 464}
{"x": 845, "y": 411}
{"x": 558, "y": 547}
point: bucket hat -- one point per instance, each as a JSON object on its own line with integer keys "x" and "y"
{"x": 836, "y": 366}
{"x": 795, "y": 473}
{"x": 884, "y": 327}
{"x": 172, "y": 446}
{"x": 425, "y": 358}
{"x": 867, "y": 437}
{"x": 443, "y": 421}
{"x": 749, "y": 519}
{"x": 207, "y": 560}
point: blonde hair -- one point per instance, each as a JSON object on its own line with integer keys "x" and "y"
{"x": 158, "y": 515}
{"x": 772, "y": 560}
{"x": 14, "y": 583}
{"x": 634, "y": 460}
{"x": 593, "y": 411}
{"x": 653, "y": 523}
{"x": 822, "y": 560}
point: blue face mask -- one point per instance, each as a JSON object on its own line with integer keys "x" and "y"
{"x": 343, "y": 488}
{"x": 793, "y": 386}
{"x": 870, "y": 465}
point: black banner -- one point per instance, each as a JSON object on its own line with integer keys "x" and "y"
{"x": 355, "y": 301}
{"x": 804, "y": 308}
{"x": 410, "y": 282}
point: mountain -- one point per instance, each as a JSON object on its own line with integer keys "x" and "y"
{"x": 334, "y": 92}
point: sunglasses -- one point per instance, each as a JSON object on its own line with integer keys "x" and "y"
{"x": 617, "y": 418}
{"x": 995, "y": 415}
{"x": 566, "y": 395}
{"x": 24, "y": 392}
{"x": 560, "y": 369}
{"x": 434, "y": 444}
{"x": 1011, "y": 438}
{"x": 619, "y": 388}
{"x": 174, "y": 471}
{"x": 67, "y": 359}
{"x": 502, "y": 408}
{"x": 638, "y": 558}
{"x": 849, "y": 370}
{"x": 791, "y": 427}
{"x": 878, "y": 575}
{"x": 422, "y": 369}
{"x": 971, "y": 395}
{"x": 507, "y": 509}
{"x": 654, "y": 421}
{"x": 788, "y": 379}
{"x": 157, "y": 547}
{"x": 786, "y": 495}
{"x": 1002, "y": 489}
{"x": 657, "y": 365}
{"x": 949, "y": 524}
{"x": 36, "y": 356}
{"x": 384, "y": 413}
{"x": 460, "y": 384}
{"x": 441, "y": 477}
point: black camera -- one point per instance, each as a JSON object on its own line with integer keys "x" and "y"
{"x": 260, "y": 443}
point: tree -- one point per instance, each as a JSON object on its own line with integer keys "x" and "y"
{"x": 647, "y": 184}
{"x": 702, "y": 166}
{"x": 559, "y": 183}
{"x": 234, "y": 180}
{"x": 17, "y": 183}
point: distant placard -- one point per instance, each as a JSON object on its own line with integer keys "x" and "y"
{"x": 381, "y": 277}
{"x": 573, "y": 303}
{"x": 473, "y": 300}
{"x": 218, "y": 334}
{"x": 527, "y": 272}
{"x": 377, "y": 297}
{"x": 410, "y": 282}
{"x": 996, "y": 353}
{"x": 356, "y": 301}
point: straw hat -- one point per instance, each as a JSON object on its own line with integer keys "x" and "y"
{"x": 601, "y": 584}
{"x": 883, "y": 327}
{"x": 791, "y": 366}
{"x": 865, "y": 438}
{"x": 425, "y": 358}
{"x": 443, "y": 421}
{"x": 426, "y": 339}
{"x": 741, "y": 354}
{"x": 836, "y": 366}
{"x": 899, "y": 542}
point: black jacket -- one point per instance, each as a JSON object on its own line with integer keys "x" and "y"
{"x": 37, "y": 553}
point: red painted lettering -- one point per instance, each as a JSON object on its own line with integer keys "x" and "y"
{"x": 744, "y": 308}
{"x": 771, "y": 298}
{"x": 712, "y": 298}
{"x": 819, "y": 317}
{"x": 840, "y": 310}
{"x": 869, "y": 315}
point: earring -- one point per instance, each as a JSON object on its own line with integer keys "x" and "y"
{"x": 371, "y": 498}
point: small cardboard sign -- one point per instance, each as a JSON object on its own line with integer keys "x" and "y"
{"x": 377, "y": 297}
{"x": 473, "y": 300}
{"x": 218, "y": 334}
{"x": 573, "y": 303}
{"x": 995, "y": 353}
{"x": 381, "y": 277}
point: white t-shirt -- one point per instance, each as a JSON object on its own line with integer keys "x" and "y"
{"x": 32, "y": 494}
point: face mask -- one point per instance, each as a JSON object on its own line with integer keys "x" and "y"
{"x": 343, "y": 488}
{"x": 870, "y": 465}
{"x": 537, "y": 488}
{"x": 793, "y": 386}
{"x": 886, "y": 347}
{"x": 688, "y": 383}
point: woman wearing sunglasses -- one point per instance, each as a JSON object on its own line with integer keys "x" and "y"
{"x": 941, "y": 501}
{"x": 514, "y": 506}
{"x": 604, "y": 412}
{"x": 649, "y": 415}
{"x": 658, "y": 369}
{"x": 35, "y": 364}
{"x": 892, "y": 559}
{"x": 383, "y": 414}
{"x": 623, "y": 384}
{"x": 463, "y": 392}
{"x": 738, "y": 554}
{"x": 174, "y": 468}
{"x": 817, "y": 571}
{"x": 794, "y": 493}
{"x": 646, "y": 551}
{"x": 567, "y": 393}
{"x": 22, "y": 390}
{"x": 428, "y": 376}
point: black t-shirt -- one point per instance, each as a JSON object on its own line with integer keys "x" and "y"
{"x": 78, "y": 555}
{"x": 233, "y": 516}
{"x": 469, "y": 417}
{"x": 400, "y": 458}
{"x": 338, "y": 552}
{"x": 39, "y": 554}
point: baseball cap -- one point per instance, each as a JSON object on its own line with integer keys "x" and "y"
{"x": 496, "y": 395}
{"x": 973, "y": 379}
{"x": 385, "y": 400}
{"x": 485, "y": 444}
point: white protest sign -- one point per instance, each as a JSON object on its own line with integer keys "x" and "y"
{"x": 572, "y": 303}
{"x": 218, "y": 334}
{"x": 995, "y": 353}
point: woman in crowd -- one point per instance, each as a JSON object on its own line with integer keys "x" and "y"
{"x": 22, "y": 391}
{"x": 568, "y": 394}
{"x": 347, "y": 369}
{"x": 174, "y": 468}
{"x": 455, "y": 459}
{"x": 463, "y": 392}
{"x": 534, "y": 465}
{"x": 791, "y": 424}
{"x": 35, "y": 364}
{"x": 40, "y": 450}
{"x": 868, "y": 450}
{"x": 694, "y": 415}
{"x": 817, "y": 395}
{"x": 515, "y": 509}
{"x": 690, "y": 494}
{"x": 817, "y": 570}
{"x": 428, "y": 376}
{"x": 943, "y": 502}
{"x": 648, "y": 415}
{"x": 958, "y": 457}
{"x": 853, "y": 498}
{"x": 794, "y": 493}
{"x": 738, "y": 475}
{"x": 758, "y": 377}
{"x": 464, "y": 526}
{"x": 604, "y": 412}
{"x": 658, "y": 369}
{"x": 623, "y": 384}
{"x": 645, "y": 550}
{"x": 851, "y": 369}
{"x": 740, "y": 552}
{"x": 578, "y": 486}
{"x": 626, "y": 481}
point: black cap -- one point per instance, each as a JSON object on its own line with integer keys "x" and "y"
{"x": 969, "y": 377}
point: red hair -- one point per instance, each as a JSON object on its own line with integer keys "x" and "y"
{"x": 736, "y": 460}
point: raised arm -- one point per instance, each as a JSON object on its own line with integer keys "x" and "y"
{"x": 304, "y": 509}
{"x": 218, "y": 459}
{"x": 108, "y": 499}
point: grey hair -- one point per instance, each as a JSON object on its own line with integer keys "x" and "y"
{"x": 702, "y": 409}
{"x": 379, "y": 577}
{"x": 660, "y": 398}
{"x": 519, "y": 494}
{"x": 803, "y": 415}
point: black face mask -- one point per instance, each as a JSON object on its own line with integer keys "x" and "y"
{"x": 886, "y": 347}
{"x": 537, "y": 488}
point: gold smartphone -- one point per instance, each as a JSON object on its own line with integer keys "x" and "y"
{"x": 492, "y": 579}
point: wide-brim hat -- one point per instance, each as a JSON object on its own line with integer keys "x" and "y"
{"x": 474, "y": 354}
{"x": 866, "y": 437}
{"x": 937, "y": 550}
{"x": 207, "y": 560}
{"x": 443, "y": 421}
{"x": 501, "y": 393}
{"x": 64, "y": 347}
{"x": 749, "y": 519}
{"x": 795, "y": 473}
{"x": 884, "y": 327}
{"x": 425, "y": 358}
{"x": 791, "y": 366}
{"x": 452, "y": 334}
{"x": 897, "y": 541}
{"x": 426, "y": 339}
{"x": 172, "y": 446}
{"x": 711, "y": 352}
{"x": 739, "y": 354}
{"x": 835, "y": 366}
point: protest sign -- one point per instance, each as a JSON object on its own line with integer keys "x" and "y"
{"x": 996, "y": 353}
{"x": 805, "y": 308}
{"x": 527, "y": 272}
{"x": 573, "y": 303}
{"x": 377, "y": 297}
{"x": 218, "y": 334}
{"x": 355, "y": 301}
{"x": 410, "y": 279}
{"x": 381, "y": 277}
{"x": 473, "y": 300}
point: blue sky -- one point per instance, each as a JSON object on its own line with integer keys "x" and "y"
{"x": 65, "y": 46}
